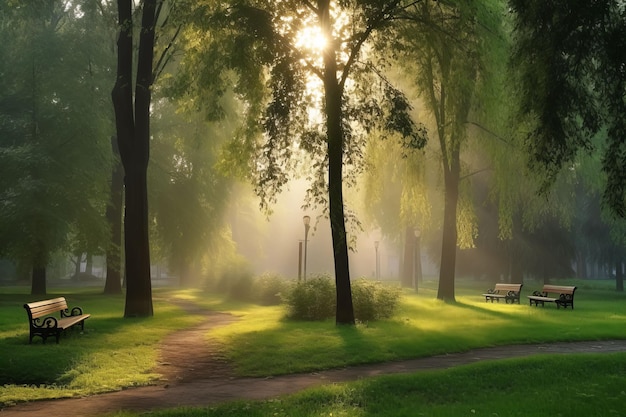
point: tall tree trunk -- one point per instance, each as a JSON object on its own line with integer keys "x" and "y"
{"x": 133, "y": 134}
{"x": 407, "y": 261}
{"x": 113, "y": 284}
{"x": 334, "y": 130}
{"x": 137, "y": 251}
{"x": 79, "y": 260}
{"x": 449, "y": 238}
{"x": 38, "y": 285}
{"x": 619, "y": 275}
{"x": 89, "y": 264}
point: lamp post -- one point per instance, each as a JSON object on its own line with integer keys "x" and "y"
{"x": 418, "y": 258}
{"x": 299, "y": 261}
{"x": 307, "y": 224}
{"x": 376, "y": 243}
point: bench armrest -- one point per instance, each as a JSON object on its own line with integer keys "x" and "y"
{"x": 76, "y": 311}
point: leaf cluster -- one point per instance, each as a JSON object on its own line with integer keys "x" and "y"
{"x": 570, "y": 59}
{"x": 54, "y": 130}
{"x": 251, "y": 48}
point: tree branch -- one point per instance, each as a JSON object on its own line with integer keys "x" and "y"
{"x": 383, "y": 15}
{"x": 165, "y": 56}
{"x": 474, "y": 173}
{"x": 490, "y": 132}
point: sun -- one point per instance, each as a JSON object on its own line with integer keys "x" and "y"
{"x": 311, "y": 40}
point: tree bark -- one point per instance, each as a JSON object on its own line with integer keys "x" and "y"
{"x": 79, "y": 259}
{"x": 335, "y": 136}
{"x": 448, "y": 246}
{"x": 113, "y": 283}
{"x": 38, "y": 285}
{"x": 89, "y": 264}
{"x": 407, "y": 262}
{"x": 133, "y": 135}
{"x": 619, "y": 275}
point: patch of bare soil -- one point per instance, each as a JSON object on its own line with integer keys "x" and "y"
{"x": 196, "y": 374}
{"x": 188, "y": 354}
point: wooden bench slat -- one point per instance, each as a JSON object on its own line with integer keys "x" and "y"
{"x": 68, "y": 322}
{"x": 40, "y": 312}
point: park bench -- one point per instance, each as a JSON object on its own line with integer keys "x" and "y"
{"x": 565, "y": 296}
{"x": 509, "y": 292}
{"x": 43, "y": 324}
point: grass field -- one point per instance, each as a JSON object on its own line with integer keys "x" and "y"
{"x": 115, "y": 352}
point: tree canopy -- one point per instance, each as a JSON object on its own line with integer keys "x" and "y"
{"x": 570, "y": 58}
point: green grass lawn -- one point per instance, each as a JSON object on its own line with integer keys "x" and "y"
{"x": 112, "y": 353}
{"x": 115, "y": 352}
{"x": 423, "y": 326}
{"x": 590, "y": 385}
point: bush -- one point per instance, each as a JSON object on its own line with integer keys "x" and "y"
{"x": 268, "y": 289}
{"x": 313, "y": 299}
{"x": 373, "y": 300}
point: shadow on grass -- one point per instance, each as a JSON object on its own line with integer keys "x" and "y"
{"x": 39, "y": 363}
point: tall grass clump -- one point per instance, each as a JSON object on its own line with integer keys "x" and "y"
{"x": 315, "y": 299}
{"x": 373, "y": 300}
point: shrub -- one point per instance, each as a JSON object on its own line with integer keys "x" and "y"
{"x": 373, "y": 300}
{"x": 313, "y": 299}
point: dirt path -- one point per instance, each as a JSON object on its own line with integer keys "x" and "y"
{"x": 201, "y": 377}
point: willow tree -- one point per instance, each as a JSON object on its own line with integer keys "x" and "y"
{"x": 288, "y": 58}
{"x": 570, "y": 58}
{"x": 450, "y": 45}
{"x": 398, "y": 201}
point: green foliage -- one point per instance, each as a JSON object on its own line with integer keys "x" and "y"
{"x": 569, "y": 59}
{"x": 374, "y": 301}
{"x": 252, "y": 48}
{"x": 188, "y": 195}
{"x": 55, "y": 125}
{"x": 313, "y": 299}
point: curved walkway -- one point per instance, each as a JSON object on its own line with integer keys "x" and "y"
{"x": 204, "y": 380}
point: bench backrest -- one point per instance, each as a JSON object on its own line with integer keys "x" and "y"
{"x": 558, "y": 289}
{"x": 508, "y": 287}
{"x": 45, "y": 307}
